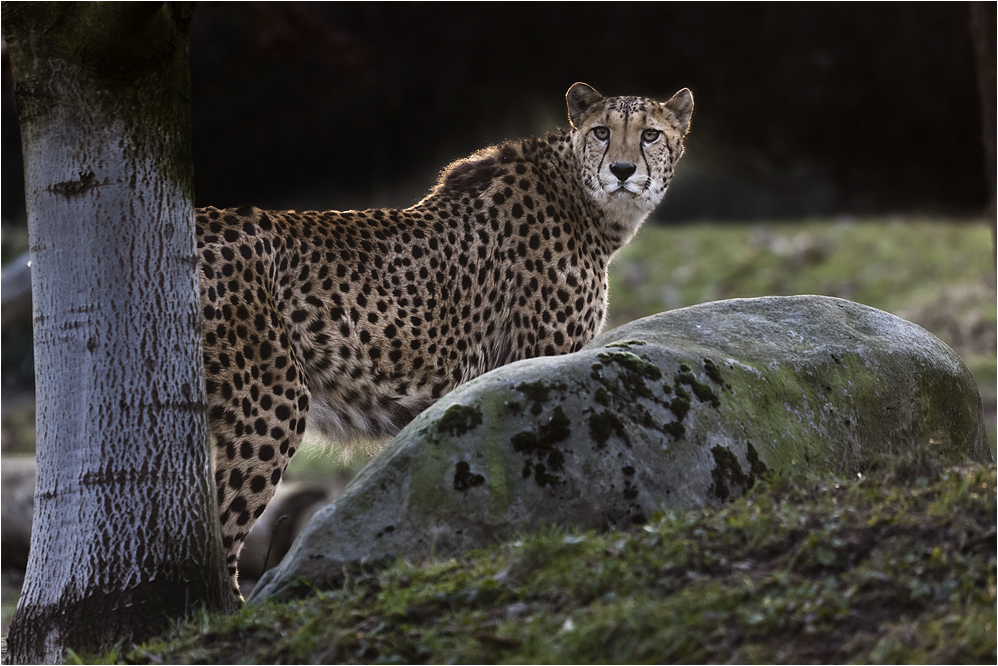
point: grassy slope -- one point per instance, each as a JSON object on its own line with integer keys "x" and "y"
{"x": 895, "y": 566}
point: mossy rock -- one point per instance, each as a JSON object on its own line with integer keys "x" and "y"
{"x": 686, "y": 408}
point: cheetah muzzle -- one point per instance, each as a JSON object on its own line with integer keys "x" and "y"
{"x": 355, "y": 321}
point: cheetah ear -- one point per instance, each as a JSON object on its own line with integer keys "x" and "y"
{"x": 582, "y": 99}
{"x": 681, "y": 106}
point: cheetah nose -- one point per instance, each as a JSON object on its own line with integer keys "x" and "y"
{"x": 623, "y": 170}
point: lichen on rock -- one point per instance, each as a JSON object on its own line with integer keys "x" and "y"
{"x": 458, "y": 419}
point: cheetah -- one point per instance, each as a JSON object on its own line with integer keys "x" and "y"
{"x": 355, "y": 321}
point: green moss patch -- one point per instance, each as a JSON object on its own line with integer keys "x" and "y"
{"x": 539, "y": 392}
{"x": 713, "y": 371}
{"x": 630, "y": 381}
{"x": 538, "y": 446}
{"x": 464, "y": 478}
{"x": 632, "y": 363}
{"x": 729, "y": 479}
{"x": 604, "y": 424}
{"x": 680, "y": 405}
{"x": 624, "y": 344}
{"x": 703, "y": 392}
{"x": 459, "y": 419}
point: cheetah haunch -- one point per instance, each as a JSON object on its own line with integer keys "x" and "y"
{"x": 356, "y": 321}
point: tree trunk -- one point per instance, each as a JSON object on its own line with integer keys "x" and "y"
{"x": 125, "y": 533}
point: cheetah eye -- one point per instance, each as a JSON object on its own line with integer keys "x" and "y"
{"x": 650, "y": 135}
{"x": 601, "y": 133}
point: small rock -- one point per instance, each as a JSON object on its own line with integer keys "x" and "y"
{"x": 293, "y": 504}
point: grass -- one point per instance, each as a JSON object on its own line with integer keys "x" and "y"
{"x": 893, "y": 265}
{"x": 897, "y": 565}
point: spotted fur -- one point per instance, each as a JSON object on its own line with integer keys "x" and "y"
{"x": 353, "y": 322}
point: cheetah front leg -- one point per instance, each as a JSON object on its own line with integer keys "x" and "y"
{"x": 257, "y": 405}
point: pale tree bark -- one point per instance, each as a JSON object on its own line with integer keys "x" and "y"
{"x": 125, "y": 533}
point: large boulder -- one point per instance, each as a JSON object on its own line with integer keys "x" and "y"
{"x": 682, "y": 409}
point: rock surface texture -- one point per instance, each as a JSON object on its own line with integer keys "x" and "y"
{"x": 681, "y": 409}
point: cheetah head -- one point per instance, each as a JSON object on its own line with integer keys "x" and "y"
{"x": 627, "y": 148}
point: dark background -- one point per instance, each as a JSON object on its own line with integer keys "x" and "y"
{"x": 801, "y": 109}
